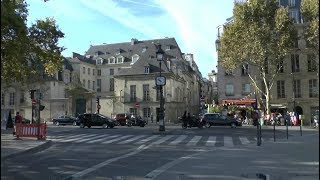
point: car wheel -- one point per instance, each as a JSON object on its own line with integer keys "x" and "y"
{"x": 207, "y": 125}
{"x": 89, "y": 126}
{"x": 81, "y": 125}
{"x": 105, "y": 125}
{"x": 111, "y": 126}
{"x": 57, "y": 123}
{"x": 233, "y": 125}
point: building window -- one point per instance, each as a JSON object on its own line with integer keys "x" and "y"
{"x": 146, "y": 92}
{"x": 294, "y": 14}
{"x": 313, "y": 89}
{"x": 146, "y": 69}
{"x": 99, "y": 85}
{"x": 312, "y": 64}
{"x": 229, "y": 90}
{"x": 89, "y": 84}
{"x": 280, "y": 89}
{"x": 246, "y": 89}
{"x": 292, "y": 3}
{"x": 133, "y": 93}
{"x": 295, "y": 66}
{"x": 11, "y": 100}
{"x": 111, "y": 60}
{"x": 2, "y": 99}
{"x": 93, "y": 85}
{"x": 93, "y": 72}
{"x": 133, "y": 111}
{"x": 120, "y": 60}
{"x": 280, "y": 68}
{"x": 144, "y": 49}
{"x": 167, "y": 47}
{"x": 99, "y": 61}
{"x": 245, "y": 69}
{"x": 111, "y": 71}
{"x": 146, "y": 112}
{"x": 99, "y": 72}
{"x": 297, "y": 88}
{"x": 83, "y": 70}
{"x": 111, "y": 84}
{"x": 84, "y": 83}
{"x": 22, "y": 97}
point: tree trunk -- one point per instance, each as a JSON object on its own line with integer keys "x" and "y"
{"x": 268, "y": 102}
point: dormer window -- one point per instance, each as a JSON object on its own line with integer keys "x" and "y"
{"x": 111, "y": 60}
{"x": 119, "y": 59}
{"x": 146, "y": 69}
{"x": 144, "y": 49}
{"x": 168, "y": 47}
{"x": 99, "y": 61}
{"x": 135, "y": 58}
{"x": 118, "y": 51}
{"x": 96, "y": 53}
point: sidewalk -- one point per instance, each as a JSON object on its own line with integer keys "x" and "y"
{"x": 10, "y": 146}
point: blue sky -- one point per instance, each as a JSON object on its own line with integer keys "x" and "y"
{"x": 193, "y": 23}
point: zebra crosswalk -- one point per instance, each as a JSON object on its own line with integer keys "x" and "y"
{"x": 170, "y": 140}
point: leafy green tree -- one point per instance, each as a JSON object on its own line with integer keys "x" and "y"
{"x": 261, "y": 35}
{"x": 27, "y": 52}
{"x": 310, "y": 13}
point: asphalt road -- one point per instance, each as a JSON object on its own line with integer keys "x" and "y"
{"x": 129, "y": 152}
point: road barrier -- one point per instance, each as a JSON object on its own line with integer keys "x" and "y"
{"x": 31, "y": 130}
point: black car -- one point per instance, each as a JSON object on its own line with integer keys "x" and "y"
{"x": 91, "y": 119}
{"x": 217, "y": 119}
{"x": 136, "y": 121}
{"x": 64, "y": 120}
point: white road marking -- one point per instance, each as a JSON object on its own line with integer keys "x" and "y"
{"x": 211, "y": 141}
{"x": 194, "y": 141}
{"x": 117, "y": 139}
{"x": 228, "y": 142}
{"x": 78, "y": 138}
{"x": 132, "y": 139}
{"x": 148, "y": 139}
{"x": 72, "y": 138}
{"x": 178, "y": 140}
{"x": 244, "y": 140}
{"x": 88, "y": 139}
{"x": 102, "y": 139}
{"x": 162, "y": 139}
{"x": 153, "y": 174}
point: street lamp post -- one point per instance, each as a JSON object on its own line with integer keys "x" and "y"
{"x": 160, "y": 82}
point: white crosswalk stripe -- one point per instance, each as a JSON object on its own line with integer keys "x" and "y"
{"x": 211, "y": 141}
{"x": 186, "y": 140}
{"x": 228, "y": 142}
{"x": 178, "y": 140}
{"x": 162, "y": 139}
{"x": 244, "y": 140}
{"x": 194, "y": 141}
{"x": 103, "y": 139}
{"x": 88, "y": 139}
{"x": 132, "y": 139}
{"x": 117, "y": 139}
{"x": 78, "y": 138}
{"x": 147, "y": 140}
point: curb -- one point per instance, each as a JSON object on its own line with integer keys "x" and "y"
{"x": 43, "y": 146}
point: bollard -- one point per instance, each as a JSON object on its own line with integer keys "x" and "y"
{"x": 287, "y": 128}
{"x": 274, "y": 132}
{"x": 258, "y": 134}
{"x": 300, "y": 127}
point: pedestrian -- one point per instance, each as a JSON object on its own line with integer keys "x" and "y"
{"x": 17, "y": 120}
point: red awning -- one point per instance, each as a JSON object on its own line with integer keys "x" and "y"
{"x": 238, "y": 101}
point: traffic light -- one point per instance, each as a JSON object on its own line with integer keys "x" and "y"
{"x": 32, "y": 93}
{"x": 98, "y": 100}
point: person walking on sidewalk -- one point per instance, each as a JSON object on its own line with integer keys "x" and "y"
{"x": 17, "y": 120}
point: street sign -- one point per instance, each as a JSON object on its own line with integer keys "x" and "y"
{"x": 34, "y": 102}
{"x": 202, "y": 98}
{"x": 137, "y": 105}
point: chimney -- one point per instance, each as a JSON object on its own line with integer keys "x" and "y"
{"x": 133, "y": 41}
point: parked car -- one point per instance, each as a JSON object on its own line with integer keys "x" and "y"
{"x": 64, "y": 120}
{"x": 217, "y": 119}
{"x": 26, "y": 121}
{"x": 121, "y": 118}
{"x": 91, "y": 119}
